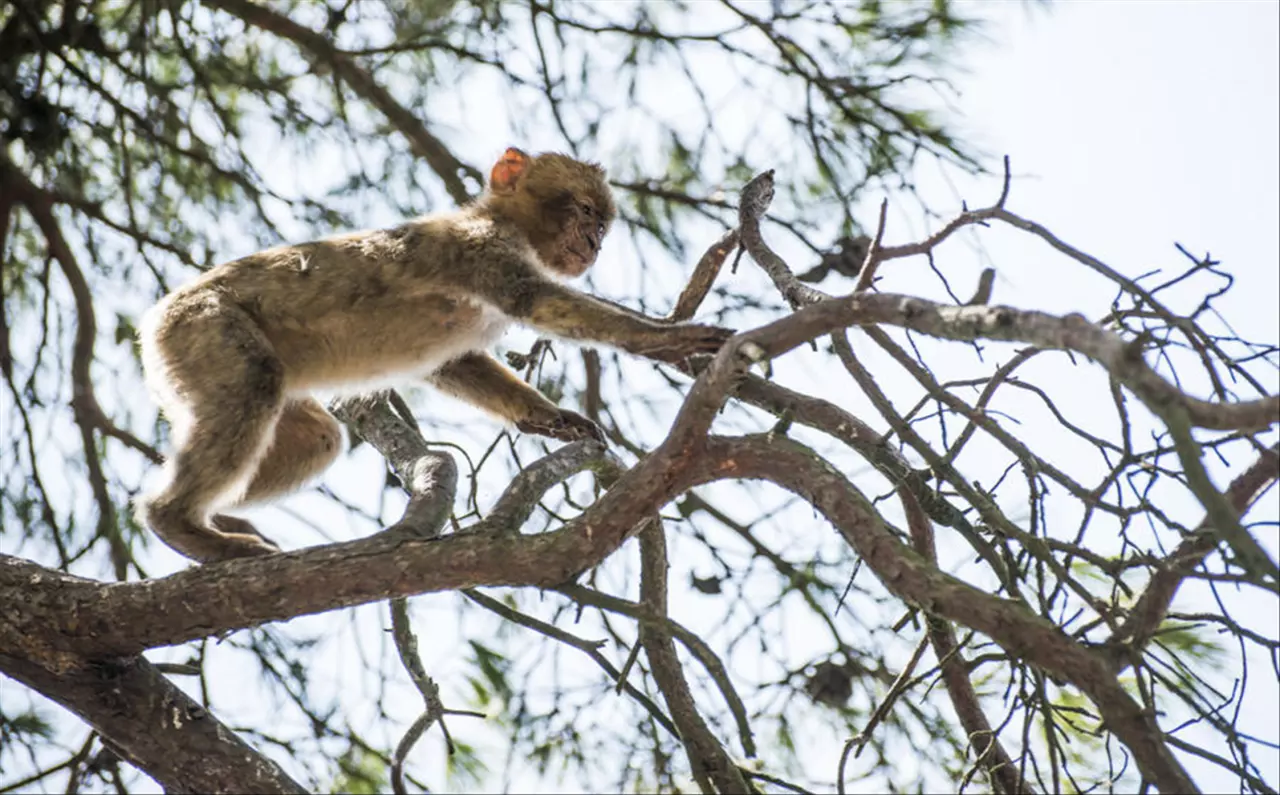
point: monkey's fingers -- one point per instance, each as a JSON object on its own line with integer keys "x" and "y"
{"x": 685, "y": 341}
{"x": 579, "y": 427}
{"x": 566, "y": 426}
{"x": 714, "y": 338}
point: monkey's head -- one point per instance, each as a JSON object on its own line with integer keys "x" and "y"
{"x": 562, "y": 205}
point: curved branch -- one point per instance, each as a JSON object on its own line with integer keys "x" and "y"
{"x": 429, "y": 477}
{"x": 322, "y": 51}
{"x": 911, "y": 578}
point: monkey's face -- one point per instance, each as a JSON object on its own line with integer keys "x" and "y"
{"x": 566, "y": 209}
{"x": 582, "y": 229}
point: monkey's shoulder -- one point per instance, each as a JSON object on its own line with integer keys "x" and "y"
{"x": 460, "y": 254}
{"x": 468, "y": 250}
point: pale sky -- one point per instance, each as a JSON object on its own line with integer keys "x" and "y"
{"x": 1132, "y": 126}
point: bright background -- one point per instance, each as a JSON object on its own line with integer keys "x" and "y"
{"x": 1130, "y": 125}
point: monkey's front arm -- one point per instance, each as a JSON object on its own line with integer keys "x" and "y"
{"x": 568, "y": 313}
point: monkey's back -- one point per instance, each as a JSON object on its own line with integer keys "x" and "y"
{"x": 356, "y": 309}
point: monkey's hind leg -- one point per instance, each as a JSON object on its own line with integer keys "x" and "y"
{"x": 230, "y": 388}
{"x": 307, "y": 440}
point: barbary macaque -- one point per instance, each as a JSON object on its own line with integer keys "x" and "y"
{"x": 233, "y": 357}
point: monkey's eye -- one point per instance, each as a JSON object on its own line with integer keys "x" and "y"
{"x": 587, "y": 209}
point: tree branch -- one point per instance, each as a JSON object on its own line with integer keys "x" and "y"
{"x": 713, "y": 768}
{"x": 429, "y": 477}
{"x": 990, "y": 752}
{"x": 911, "y": 578}
{"x": 155, "y": 726}
{"x": 322, "y": 51}
{"x": 1153, "y": 605}
{"x": 91, "y": 617}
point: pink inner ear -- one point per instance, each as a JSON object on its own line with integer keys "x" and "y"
{"x": 508, "y": 169}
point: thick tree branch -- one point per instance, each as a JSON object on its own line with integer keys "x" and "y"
{"x": 82, "y": 617}
{"x": 91, "y": 617}
{"x": 1072, "y": 332}
{"x": 155, "y": 726}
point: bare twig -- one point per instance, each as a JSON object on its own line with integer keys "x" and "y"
{"x": 589, "y": 647}
{"x": 84, "y": 404}
{"x": 407, "y": 645}
{"x": 856, "y": 743}
{"x": 703, "y": 276}
{"x": 324, "y": 53}
{"x": 1153, "y": 604}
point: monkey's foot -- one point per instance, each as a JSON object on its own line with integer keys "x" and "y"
{"x": 237, "y": 538}
{"x": 565, "y": 425}
{"x": 224, "y": 537}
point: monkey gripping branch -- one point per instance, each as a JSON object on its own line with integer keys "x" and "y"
{"x": 80, "y": 642}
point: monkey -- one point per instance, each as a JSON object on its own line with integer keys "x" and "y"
{"x": 233, "y": 357}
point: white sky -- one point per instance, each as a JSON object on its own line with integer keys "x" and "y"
{"x": 1143, "y": 123}
{"x": 1131, "y": 125}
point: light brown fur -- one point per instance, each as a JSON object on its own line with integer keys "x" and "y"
{"x": 233, "y": 357}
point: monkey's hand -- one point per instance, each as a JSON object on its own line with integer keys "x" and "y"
{"x": 565, "y": 425}
{"x": 678, "y": 343}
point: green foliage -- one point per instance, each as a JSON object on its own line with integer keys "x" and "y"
{"x": 24, "y": 727}
{"x": 360, "y": 773}
{"x": 1190, "y": 643}
{"x": 465, "y": 767}
{"x": 491, "y": 681}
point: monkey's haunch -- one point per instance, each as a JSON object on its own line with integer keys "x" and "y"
{"x": 232, "y": 356}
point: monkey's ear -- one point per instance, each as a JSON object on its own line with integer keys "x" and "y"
{"x": 506, "y": 172}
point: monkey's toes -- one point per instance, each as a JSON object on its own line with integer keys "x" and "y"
{"x": 716, "y": 338}
{"x": 240, "y": 539}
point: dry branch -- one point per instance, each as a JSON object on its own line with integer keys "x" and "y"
{"x": 70, "y": 626}
{"x": 323, "y": 53}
